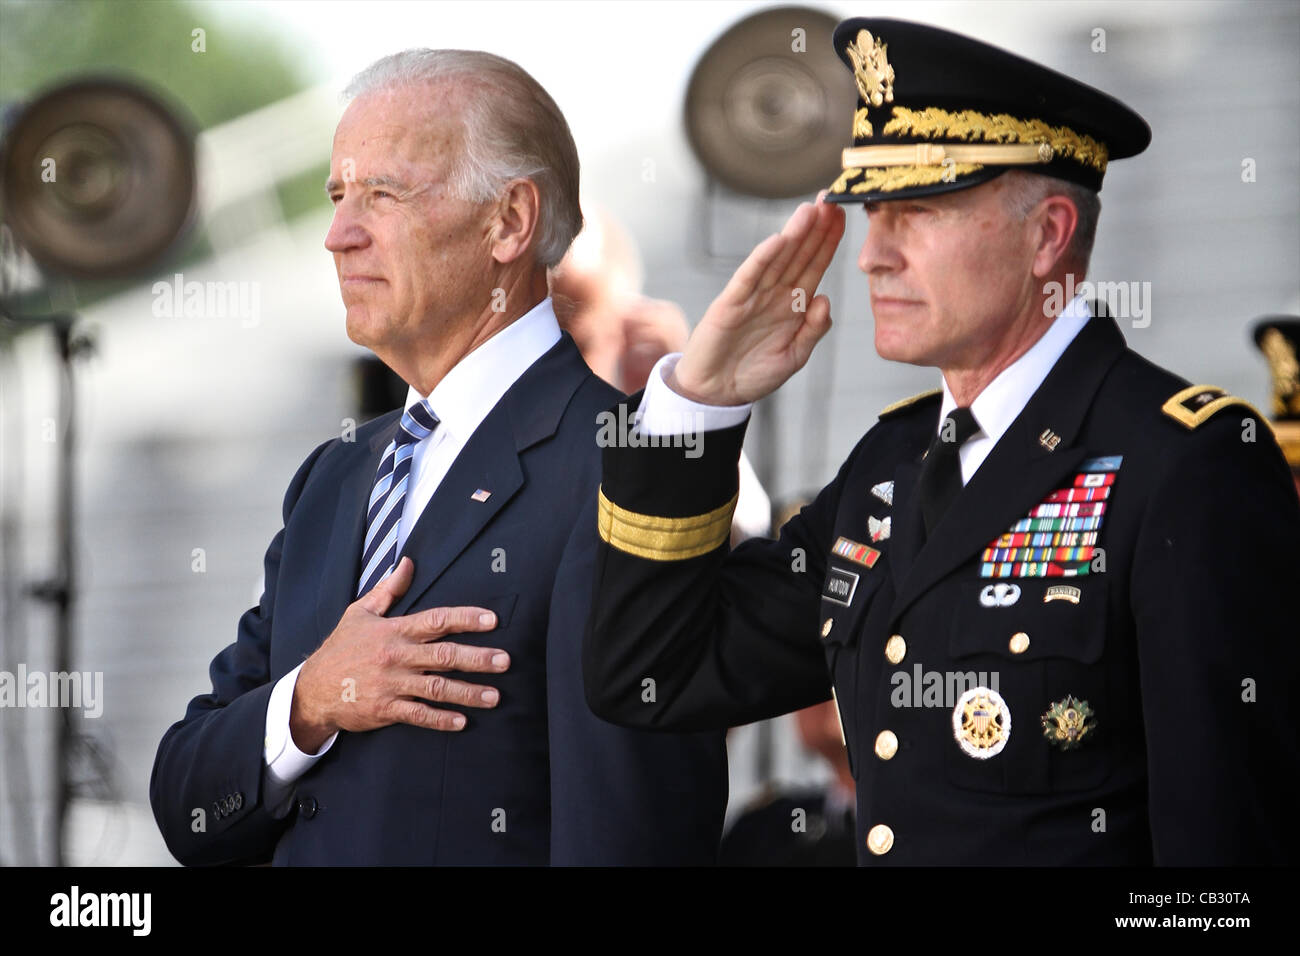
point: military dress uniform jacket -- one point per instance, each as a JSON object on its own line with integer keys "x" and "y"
{"x": 1168, "y": 645}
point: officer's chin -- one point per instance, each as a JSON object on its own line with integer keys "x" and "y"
{"x": 899, "y": 345}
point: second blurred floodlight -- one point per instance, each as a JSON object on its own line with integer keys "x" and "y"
{"x": 766, "y": 104}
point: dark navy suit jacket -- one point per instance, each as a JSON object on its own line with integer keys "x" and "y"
{"x": 538, "y": 779}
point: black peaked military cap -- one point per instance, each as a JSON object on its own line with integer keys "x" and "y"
{"x": 938, "y": 112}
{"x": 1278, "y": 337}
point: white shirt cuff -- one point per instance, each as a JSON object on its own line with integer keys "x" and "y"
{"x": 664, "y": 412}
{"x": 753, "y": 515}
{"x": 285, "y": 763}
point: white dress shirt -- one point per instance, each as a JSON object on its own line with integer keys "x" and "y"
{"x": 1006, "y": 396}
{"x": 663, "y": 411}
{"x": 461, "y": 401}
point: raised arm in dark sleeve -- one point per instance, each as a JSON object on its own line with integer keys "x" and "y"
{"x": 620, "y": 796}
{"x": 684, "y": 634}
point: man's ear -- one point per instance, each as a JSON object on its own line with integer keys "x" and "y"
{"x": 518, "y": 211}
{"x": 1056, "y": 219}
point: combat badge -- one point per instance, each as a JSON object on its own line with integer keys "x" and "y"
{"x": 1067, "y": 722}
{"x": 884, "y": 491}
{"x": 981, "y": 723}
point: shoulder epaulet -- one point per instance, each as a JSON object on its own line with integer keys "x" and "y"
{"x": 909, "y": 402}
{"x": 1196, "y": 404}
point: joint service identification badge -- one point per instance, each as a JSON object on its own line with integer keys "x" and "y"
{"x": 981, "y": 723}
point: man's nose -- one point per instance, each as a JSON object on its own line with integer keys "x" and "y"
{"x": 345, "y": 231}
{"x": 880, "y": 252}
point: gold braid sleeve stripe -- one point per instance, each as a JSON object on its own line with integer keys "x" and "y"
{"x": 663, "y": 539}
{"x": 933, "y": 122}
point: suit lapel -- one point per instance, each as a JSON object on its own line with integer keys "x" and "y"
{"x": 1020, "y": 470}
{"x": 452, "y": 518}
{"x": 529, "y": 412}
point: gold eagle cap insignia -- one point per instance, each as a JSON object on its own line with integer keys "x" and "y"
{"x": 871, "y": 69}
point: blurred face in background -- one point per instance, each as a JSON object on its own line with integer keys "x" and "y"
{"x": 412, "y": 259}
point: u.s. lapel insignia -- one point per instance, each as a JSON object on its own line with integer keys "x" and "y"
{"x": 885, "y": 492}
{"x": 1068, "y": 722}
{"x": 481, "y": 495}
{"x": 879, "y": 529}
{"x": 999, "y": 595}
{"x": 1058, "y": 537}
{"x": 1049, "y": 439}
{"x": 981, "y": 723}
{"x": 859, "y": 553}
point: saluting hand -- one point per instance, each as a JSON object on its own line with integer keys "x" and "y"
{"x": 385, "y": 662}
{"x": 763, "y": 326}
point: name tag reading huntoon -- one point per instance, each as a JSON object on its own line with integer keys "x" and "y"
{"x": 840, "y": 586}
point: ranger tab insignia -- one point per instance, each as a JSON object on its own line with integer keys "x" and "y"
{"x": 1068, "y": 722}
{"x": 1062, "y": 592}
{"x": 981, "y": 723}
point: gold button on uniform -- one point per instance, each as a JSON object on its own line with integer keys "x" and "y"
{"x": 880, "y": 839}
{"x": 1019, "y": 642}
{"x": 895, "y": 649}
{"x": 826, "y": 628}
{"x": 886, "y": 744}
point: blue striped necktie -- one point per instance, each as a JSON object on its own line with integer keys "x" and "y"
{"x": 379, "y": 555}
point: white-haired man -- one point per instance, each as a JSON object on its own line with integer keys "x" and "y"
{"x": 451, "y": 539}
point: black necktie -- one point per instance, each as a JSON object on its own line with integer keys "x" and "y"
{"x": 941, "y": 473}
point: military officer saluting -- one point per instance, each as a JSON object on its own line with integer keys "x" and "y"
{"x": 1054, "y": 599}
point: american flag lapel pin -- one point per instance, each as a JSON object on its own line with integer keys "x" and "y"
{"x": 481, "y": 495}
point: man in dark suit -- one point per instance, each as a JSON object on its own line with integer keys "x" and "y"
{"x": 1055, "y": 598}
{"x": 450, "y": 539}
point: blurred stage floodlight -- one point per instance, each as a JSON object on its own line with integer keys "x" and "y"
{"x": 97, "y": 178}
{"x": 766, "y": 104}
